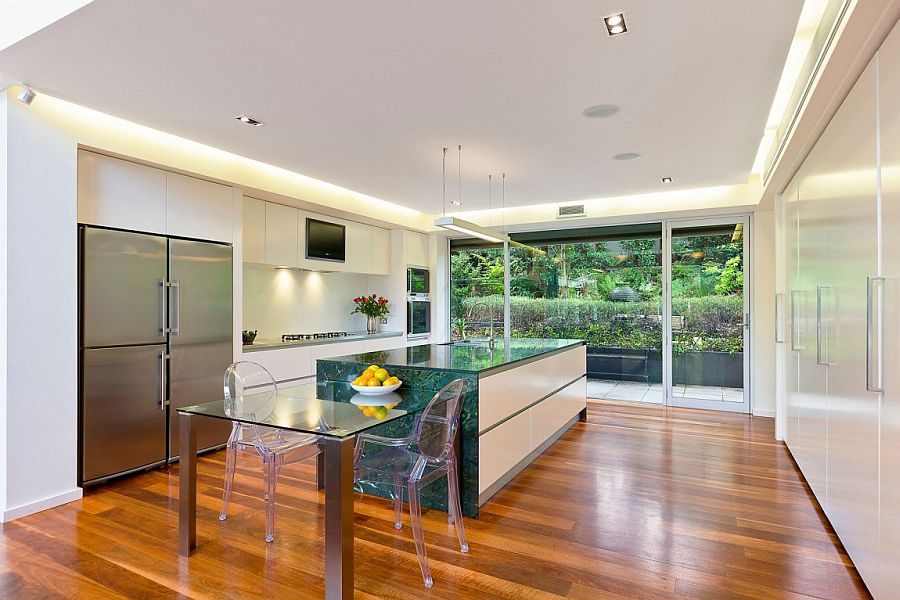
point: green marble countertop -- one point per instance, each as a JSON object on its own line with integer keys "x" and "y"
{"x": 461, "y": 358}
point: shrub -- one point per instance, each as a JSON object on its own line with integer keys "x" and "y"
{"x": 710, "y": 323}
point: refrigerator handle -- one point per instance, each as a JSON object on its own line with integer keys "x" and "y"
{"x": 164, "y": 292}
{"x": 163, "y": 379}
{"x": 874, "y": 334}
{"x": 176, "y": 285}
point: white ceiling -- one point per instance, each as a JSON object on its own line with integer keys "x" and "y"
{"x": 364, "y": 94}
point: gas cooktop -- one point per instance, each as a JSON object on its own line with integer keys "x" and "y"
{"x": 296, "y": 337}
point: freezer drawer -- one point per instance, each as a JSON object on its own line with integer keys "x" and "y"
{"x": 123, "y": 415}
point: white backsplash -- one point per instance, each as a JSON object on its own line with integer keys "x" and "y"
{"x": 278, "y": 301}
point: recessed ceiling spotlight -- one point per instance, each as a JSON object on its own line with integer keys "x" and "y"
{"x": 601, "y": 111}
{"x": 26, "y": 96}
{"x": 626, "y": 156}
{"x": 667, "y": 180}
{"x": 249, "y": 120}
{"x": 455, "y": 202}
{"x": 615, "y": 24}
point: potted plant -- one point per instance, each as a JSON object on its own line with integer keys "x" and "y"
{"x": 374, "y": 307}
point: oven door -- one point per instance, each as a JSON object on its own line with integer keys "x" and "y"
{"x": 416, "y": 281}
{"x": 418, "y": 317}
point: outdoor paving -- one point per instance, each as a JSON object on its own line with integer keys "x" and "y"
{"x": 653, "y": 392}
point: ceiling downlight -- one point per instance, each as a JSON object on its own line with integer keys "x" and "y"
{"x": 249, "y": 120}
{"x": 615, "y": 24}
{"x": 601, "y": 111}
{"x": 627, "y": 156}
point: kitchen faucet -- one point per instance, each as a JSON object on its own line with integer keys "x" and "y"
{"x": 491, "y": 312}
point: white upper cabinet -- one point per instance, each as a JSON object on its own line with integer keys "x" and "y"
{"x": 254, "y": 231}
{"x": 281, "y": 235}
{"x": 127, "y": 195}
{"x": 381, "y": 251}
{"x": 119, "y": 193}
{"x": 198, "y": 208}
{"x": 415, "y": 248}
{"x": 359, "y": 247}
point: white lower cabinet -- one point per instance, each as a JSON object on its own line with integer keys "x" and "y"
{"x": 502, "y": 448}
{"x": 550, "y": 416}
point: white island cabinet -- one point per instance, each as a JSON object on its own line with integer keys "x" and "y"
{"x": 523, "y": 410}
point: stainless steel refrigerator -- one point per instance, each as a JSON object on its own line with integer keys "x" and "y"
{"x": 156, "y": 334}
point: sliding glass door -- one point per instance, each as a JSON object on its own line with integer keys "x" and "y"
{"x": 707, "y": 314}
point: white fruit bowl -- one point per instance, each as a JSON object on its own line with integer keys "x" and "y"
{"x": 375, "y": 391}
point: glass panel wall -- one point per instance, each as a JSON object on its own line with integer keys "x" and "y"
{"x": 603, "y": 285}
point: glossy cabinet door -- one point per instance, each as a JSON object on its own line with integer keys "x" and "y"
{"x": 282, "y": 227}
{"x": 843, "y": 183}
{"x": 381, "y": 251}
{"x": 791, "y": 230}
{"x": 889, "y": 122}
{"x": 121, "y": 194}
{"x": 197, "y": 208}
{"x": 359, "y": 247}
{"x": 812, "y": 376}
{"x": 253, "y": 231}
{"x": 415, "y": 248}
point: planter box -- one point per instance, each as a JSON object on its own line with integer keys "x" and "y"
{"x": 710, "y": 368}
{"x": 692, "y": 368}
{"x": 624, "y": 364}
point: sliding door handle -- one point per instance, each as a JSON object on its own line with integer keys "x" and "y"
{"x": 779, "y": 325}
{"x": 875, "y": 334}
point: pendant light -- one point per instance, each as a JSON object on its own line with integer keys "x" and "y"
{"x": 460, "y": 225}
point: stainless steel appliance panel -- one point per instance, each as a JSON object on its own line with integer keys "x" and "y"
{"x": 200, "y": 317}
{"x": 418, "y": 317}
{"x": 122, "y": 287}
{"x": 124, "y": 425}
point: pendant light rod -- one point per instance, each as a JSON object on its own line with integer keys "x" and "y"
{"x": 444, "y": 180}
{"x": 459, "y": 175}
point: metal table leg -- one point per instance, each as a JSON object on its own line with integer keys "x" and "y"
{"x": 187, "y": 482}
{"x": 338, "y": 518}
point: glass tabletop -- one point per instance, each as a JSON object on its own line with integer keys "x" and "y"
{"x": 296, "y": 409}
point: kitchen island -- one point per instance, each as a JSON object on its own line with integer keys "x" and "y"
{"x": 521, "y": 397}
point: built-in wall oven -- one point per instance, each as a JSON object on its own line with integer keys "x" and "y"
{"x": 418, "y": 303}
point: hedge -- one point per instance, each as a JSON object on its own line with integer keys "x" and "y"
{"x": 709, "y": 322}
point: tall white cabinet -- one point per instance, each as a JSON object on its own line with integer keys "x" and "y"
{"x": 842, "y": 256}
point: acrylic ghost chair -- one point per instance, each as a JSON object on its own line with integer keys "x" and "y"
{"x": 417, "y": 460}
{"x": 250, "y": 390}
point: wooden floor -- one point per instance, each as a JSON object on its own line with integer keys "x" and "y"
{"x": 638, "y": 502}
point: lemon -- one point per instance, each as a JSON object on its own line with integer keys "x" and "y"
{"x": 391, "y": 381}
{"x": 373, "y": 383}
{"x": 372, "y": 368}
{"x": 381, "y": 374}
{"x": 359, "y": 381}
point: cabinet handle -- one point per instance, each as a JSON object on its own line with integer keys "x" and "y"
{"x": 795, "y": 334}
{"x": 779, "y": 326}
{"x": 874, "y": 334}
{"x": 164, "y": 300}
{"x": 822, "y": 345}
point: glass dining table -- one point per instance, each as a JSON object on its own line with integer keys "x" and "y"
{"x": 296, "y": 409}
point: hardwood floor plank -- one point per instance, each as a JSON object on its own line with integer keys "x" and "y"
{"x": 638, "y": 502}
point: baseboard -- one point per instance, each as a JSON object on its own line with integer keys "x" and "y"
{"x": 764, "y": 412}
{"x": 43, "y": 504}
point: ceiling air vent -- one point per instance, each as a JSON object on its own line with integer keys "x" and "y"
{"x": 571, "y": 212}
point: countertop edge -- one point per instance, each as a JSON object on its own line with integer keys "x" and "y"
{"x": 480, "y": 373}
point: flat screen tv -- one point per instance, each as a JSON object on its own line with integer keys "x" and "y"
{"x": 325, "y": 241}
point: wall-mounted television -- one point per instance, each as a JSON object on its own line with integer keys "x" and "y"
{"x": 325, "y": 241}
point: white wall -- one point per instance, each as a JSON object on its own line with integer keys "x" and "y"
{"x": 278, "y": 301}
{"x": 4, "y": 132}
{"x": 41, "y": 340}
{"x": 763, "y": 354}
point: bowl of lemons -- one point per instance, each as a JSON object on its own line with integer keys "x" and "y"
{"x": 375, "y": 381}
